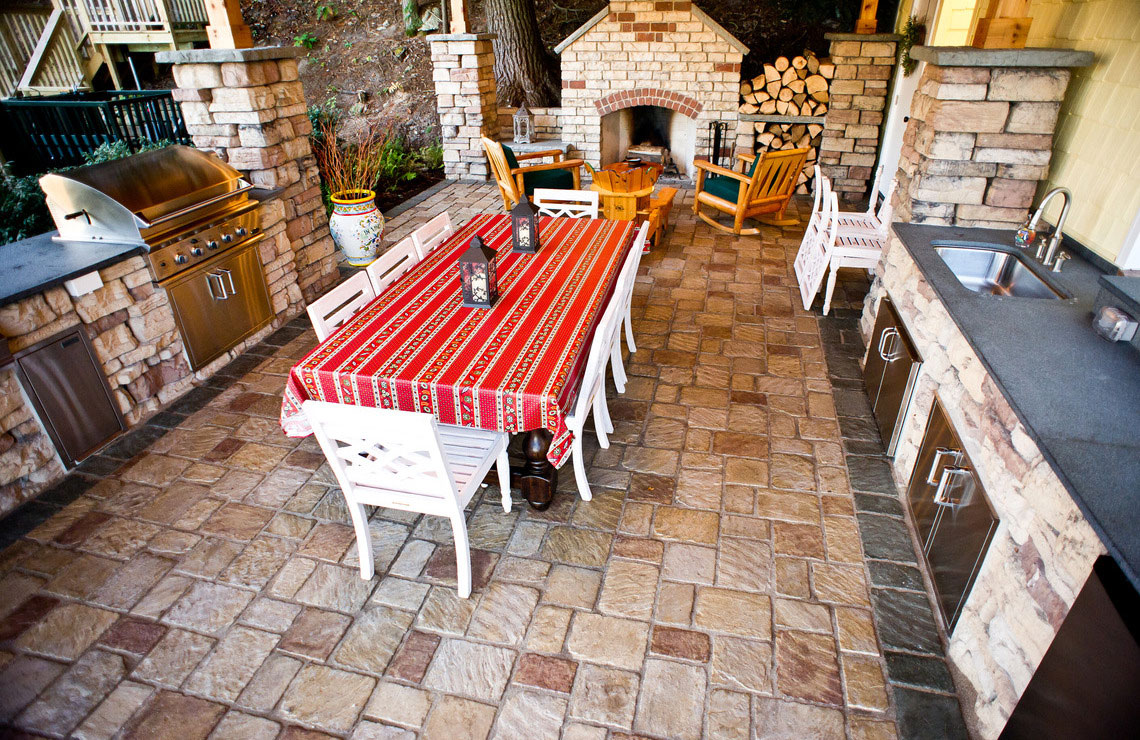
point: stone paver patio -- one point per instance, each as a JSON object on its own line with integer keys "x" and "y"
{"x": 198, "y": 578}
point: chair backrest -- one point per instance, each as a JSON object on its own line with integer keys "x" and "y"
{"x": 887, "y": 208}
{"x": 775, "y": 177}
{"x": 814, "y": 254}
{"x": 340, "y": 304}
{"x": 432, "y": 234}
{"x": 594, "y": 375}
{"x": 628, "y": 276}
{"x": 378, "y": 455}
{"x": 389, "y": 266}
{"x": 502, "y": 171}
{"x": 820, "y": 192}
{"x": 568, "y": 203}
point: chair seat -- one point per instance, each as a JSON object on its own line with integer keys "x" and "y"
{"x": 859, "y": 223}
{"x": 557, "y": 179}
{"x": 723, "y": 187}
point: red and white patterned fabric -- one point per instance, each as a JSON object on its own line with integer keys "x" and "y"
{"x": 514, "y": 367}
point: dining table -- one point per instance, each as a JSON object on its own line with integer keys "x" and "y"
{"x": 514, "y": 367}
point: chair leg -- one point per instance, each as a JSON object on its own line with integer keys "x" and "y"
{"x": 629, "y": 330}
{"x": 462, "y": 555}
{"x": 580, "y": 469}
{"x": 830, "y": 289}
{"x": 363, "y": 539}
{"x": 503, "y": 464}
{"x": 605, "y": 406}
{"x": 620, "y": 377}
{"x": 600, "y": 421}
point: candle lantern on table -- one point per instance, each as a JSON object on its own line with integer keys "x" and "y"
{"x": 477, "y": 275}
{"x": 524, "y": 227}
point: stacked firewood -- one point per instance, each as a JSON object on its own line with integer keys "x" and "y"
{"x": 789, "y": 87}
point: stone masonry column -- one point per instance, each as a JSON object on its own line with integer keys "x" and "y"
{"x": 247, "y": 105}
{"x": 463, "y": 67}
{"x": 980, "y": 134}
{"x": 864, "y": 65}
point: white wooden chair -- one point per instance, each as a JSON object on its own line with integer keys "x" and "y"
{"x": 389, "y": 266}
{"x": 853, "y": 249}
{"x": 817, "y": 244}
{"x": 407, "y": 461}
{"x": 874, "y": 221}
{"x": 592, "y": 393}
{"x": 626, "y": 283}
{"x": 568, "y": 203}
{"x": 340, "y": 304}
{"x": 432, "y": 234}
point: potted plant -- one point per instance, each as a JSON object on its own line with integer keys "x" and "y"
{"x": 350, "y": 170}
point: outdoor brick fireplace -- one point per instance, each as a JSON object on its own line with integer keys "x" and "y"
{"x": 637, "y": 67}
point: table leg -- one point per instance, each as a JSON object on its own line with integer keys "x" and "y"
{"x": 536, "y": 477}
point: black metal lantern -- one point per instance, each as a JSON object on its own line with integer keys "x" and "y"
{"x": 477, "y": 275}
{"x": 524, "y": 227}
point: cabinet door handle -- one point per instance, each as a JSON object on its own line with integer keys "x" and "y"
{"x": 940, "y": 453}
{"x": 887, "y": 334}
{"x": 948, "y": 474}
{"x": 221, "y": 285}
{"x": 230, "y": 277}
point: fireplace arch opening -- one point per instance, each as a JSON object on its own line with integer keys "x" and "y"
{"x": 653, "y": 126}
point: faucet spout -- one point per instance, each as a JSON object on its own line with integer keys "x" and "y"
{"x": 1055, "y": 239}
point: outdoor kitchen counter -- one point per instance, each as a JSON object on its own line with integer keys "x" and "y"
{"x": 1077, "y": 394}
{"x": 37, "y": 263}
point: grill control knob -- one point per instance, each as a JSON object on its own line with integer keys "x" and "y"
{"x": 197, "y": 251}
{"x": 241, "y": 231}
{"x": 227, "y": 238}
{"x": 211, "y": 244}
{"x": 181, "y": 259}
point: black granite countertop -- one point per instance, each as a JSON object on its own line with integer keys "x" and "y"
{"x": 32, "y": 265}
{"x": 1077, "y": 394}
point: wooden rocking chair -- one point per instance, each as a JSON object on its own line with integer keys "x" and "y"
{"x": 514, "y": 180}
{"x": 764, "y": 189}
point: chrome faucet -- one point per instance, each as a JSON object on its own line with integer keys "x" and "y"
{"x": 1056, "y": 236}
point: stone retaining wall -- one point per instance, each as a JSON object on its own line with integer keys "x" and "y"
{"x": 1043, "y": 549}
{"x": 463, "y": 67}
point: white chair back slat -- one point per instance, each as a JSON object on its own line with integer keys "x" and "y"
{"x": 887, "y": 208}
{"x": 432, "y": 234}
{"x": 566, "y": 203}
{"x": 340, "y": 304}
{"x": 815, "y": 250}
{"x": 388, "y": 267}
{"x": 633, "y": 263}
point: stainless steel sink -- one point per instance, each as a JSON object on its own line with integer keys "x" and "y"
{"x": 995, "y": 271}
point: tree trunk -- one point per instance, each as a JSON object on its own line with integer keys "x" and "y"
{"x": 524, "y": 71}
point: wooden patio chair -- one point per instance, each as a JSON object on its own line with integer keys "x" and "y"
{"x": 388, "y": 267}
{"x": 763, "y": 191}
{"x": 514, "y": 179}
{"x": 432, "y": 234}
{"x": 340, "y": 304}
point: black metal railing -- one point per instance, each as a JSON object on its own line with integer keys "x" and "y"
{"x": 57, "y": 131}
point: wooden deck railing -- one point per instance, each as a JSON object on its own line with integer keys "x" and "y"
{"x": 137, "y": 16}
{"x": 57, "y": 131}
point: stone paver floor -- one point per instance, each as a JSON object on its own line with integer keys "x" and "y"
{"x": 198, "y": 578}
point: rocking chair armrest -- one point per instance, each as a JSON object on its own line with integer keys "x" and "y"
{"x": 718, "y": 170}
{"x": 747, "y": 158}
{"x": 568, "y": 164}
{"x": 556, "y": 153}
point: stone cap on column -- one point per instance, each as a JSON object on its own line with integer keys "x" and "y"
{"x": 222, "y": 56}
{"x": 438, "y": 37}
{"x": 862, "y": 36}
{"x": 968, "y": 56}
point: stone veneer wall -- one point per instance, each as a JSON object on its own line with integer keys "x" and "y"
{"x": 463, "y": 67}
{"x": 247, "y": 105}
{"x": 864, "y": 65}
{"x": 1043, "y": 549}
{"x": 980, "y": 135}
{"x": 648, "y": 53}
{"x": 28, "y": 461}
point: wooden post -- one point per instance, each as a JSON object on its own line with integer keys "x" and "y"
{"x": 1004, "y": 26}
{"x": 867, "y": 22}
{"x": 458, "y": 16}
{"x": 227, "y": 30}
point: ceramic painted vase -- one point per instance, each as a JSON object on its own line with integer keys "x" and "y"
{"x": 357, "y": 225}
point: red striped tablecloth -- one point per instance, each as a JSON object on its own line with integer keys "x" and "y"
{"x": 513, "y": 367}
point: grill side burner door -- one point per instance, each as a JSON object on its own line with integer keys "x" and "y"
{"x": 221, "y": 302}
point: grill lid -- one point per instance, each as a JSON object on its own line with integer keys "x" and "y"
{"x": 132, "y": 198}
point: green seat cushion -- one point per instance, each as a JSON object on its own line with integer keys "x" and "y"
{"x": 723, "y": 187}
{"x": 512, "y": 162}
{"x": 557, "y": 179}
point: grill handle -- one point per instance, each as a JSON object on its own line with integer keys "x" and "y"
{"x": 200, "y": 204}
{"x": 210, "y": 286}
{"x": 230, "y": 277}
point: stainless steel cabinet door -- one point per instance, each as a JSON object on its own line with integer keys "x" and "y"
{"x": 220, "y": 304}
{"x": 889, "y": 373}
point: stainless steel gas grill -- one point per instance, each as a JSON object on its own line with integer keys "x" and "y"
{"x": 194, "y": 214}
